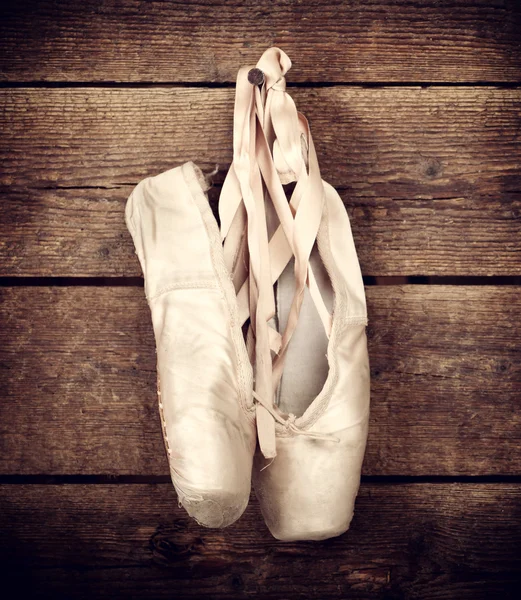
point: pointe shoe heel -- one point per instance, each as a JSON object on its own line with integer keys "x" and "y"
{"x": 203, "y": 371}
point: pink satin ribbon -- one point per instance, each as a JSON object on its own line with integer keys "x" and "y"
{"x": 272, "y": 145}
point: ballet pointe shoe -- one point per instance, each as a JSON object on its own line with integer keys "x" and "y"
{"x": 300, "y": 294}
{"x": 204, "y": 374}
{"x": 308, "y": 490}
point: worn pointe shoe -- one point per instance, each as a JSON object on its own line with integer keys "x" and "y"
{"x": 308, "y": 491}
{"x": 311, "y": 395}
{"x": 204, "y": 373}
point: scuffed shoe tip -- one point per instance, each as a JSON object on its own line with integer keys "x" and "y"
{"x": 209, "y": 512}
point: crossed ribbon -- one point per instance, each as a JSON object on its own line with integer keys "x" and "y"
{"x": 272, "y": 146}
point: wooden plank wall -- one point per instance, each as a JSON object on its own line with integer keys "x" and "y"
{"x": 415, "y": 109}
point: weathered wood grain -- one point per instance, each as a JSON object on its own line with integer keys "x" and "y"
{"x": 431, "y": 177}
{"x": 82, "y": 233}
{"x": 79, "y": 396}
{"x": 429, "y": 142}
{"x": 419, "y": 541}
{"x": 378, "y": 40}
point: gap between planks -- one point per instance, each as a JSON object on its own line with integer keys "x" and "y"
{"x": 101, "y": 479}
{"x": 369, "y": 280}
{"x": 231, "y": 84}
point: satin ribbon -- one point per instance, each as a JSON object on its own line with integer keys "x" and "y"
{"x": 272, "y": 146}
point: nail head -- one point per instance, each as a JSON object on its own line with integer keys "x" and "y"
{"x": 256, "y": 76}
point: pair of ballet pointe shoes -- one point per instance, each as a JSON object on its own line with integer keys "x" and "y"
{"x": 259, "y": 324}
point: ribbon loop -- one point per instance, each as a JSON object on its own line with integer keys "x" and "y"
{"x": 272, "y": 146}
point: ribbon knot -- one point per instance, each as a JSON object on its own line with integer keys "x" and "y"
{"x": 290, "y": 421}
{"x": 266, "y": 428}
{"x": 279, "y": 85}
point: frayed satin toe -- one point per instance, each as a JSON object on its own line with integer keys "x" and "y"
{"x": 211, "y": 455}
{"x": 215, "y": 509}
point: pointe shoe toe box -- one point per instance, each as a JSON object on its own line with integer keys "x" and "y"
{"x": 210, "y": 456}
{"x": 309, "y": 490}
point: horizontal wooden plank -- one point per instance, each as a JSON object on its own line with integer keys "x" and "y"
{"x": 79, "y": 395}
{"x": 430, "y": 177}
{"x": 377, "y": 40}
{"x": 420, "y": 541}
{"x": 429, "y": 142}
{"x": 82, "y": 233}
